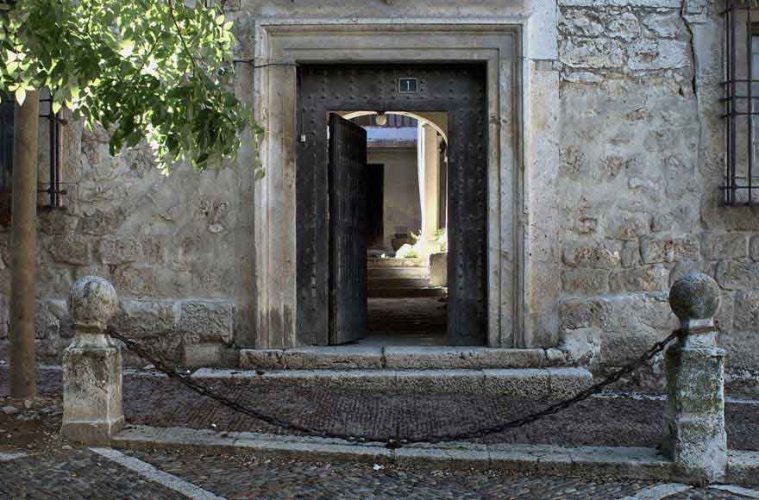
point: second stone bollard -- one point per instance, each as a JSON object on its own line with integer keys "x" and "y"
{"x": 92, "y": 411}
{"x": 694, "y": 434}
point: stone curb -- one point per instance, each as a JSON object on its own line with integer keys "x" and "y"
{"x": 614, "y": 462}
{"x": 527, "y": 383}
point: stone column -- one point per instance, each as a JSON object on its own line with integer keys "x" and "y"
{"x": 92, "y": 411}
{"x": 429, "y": 186}
{"x": 694, "y": 434}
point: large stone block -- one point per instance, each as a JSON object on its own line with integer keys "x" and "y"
{"x": 51, "y": 319}
{"x": 71, "y": 249}
{"x": 146, "y": 318}
{"x": 114, "y": 250}
{"x": 717, "y": 246}
{"x": 738, "y": 275}
{"x": 639, "y": 279}
{"x": 625, "y": 225}
{"x": 620, "y": 313}
{"x": 630, "y": 254}
{"x": 754, "y": 248}
{"x": 667, "y": 25}
{"x": 647, "y": 54}
{"x": 583, "y": 345}
{"x": 603, "y": 255}
{"x": 592, "y": 52}
{"x": 207, "y": 321}
{"x": 102, "y": 223}
{"x": 621, "y": 347}
{"x": 684, "y": 267}
{"x": 208, "y": 355}
{"x": 135, "y": 279}
{"x": 747, "y": 310}
{"x": 659, "y": 249}
{"x": 56, "y": 222}
{"x": 624, "y": 25}
{"x": 439, "y": 269}
{"x": 585, "y": 281}
{"x": 581, "y": 22}
{"x": 579, "y": 313}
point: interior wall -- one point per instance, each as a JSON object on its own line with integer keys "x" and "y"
{"x": 401, "y": 206}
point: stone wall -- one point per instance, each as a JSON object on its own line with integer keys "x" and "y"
{"x": 401, "y": 207}
{"x": 176, "y": 247}
{"x": 641, "y": 166}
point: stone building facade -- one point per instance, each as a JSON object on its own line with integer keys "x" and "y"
{"x": 610, "y": 156}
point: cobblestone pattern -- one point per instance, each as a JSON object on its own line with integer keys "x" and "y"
{"x": 74, "y": 474}
{"x": 79, "y": 473}
{"x": 161, "y": 402}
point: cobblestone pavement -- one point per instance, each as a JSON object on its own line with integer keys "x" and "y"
{"x": 74, "y": 473}
{"x": 158, "y": 401}
{"x": 36, "y": 463}
{"x": 82, "y": 473}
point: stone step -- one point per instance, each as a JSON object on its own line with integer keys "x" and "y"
{"x": 501, "y": 458}
{"x": 407, "y": 292}
{"x": 361, "y": 357}
{"x": 374, "y": 262}
{"x": 397, "y": 272}
{"x": 521, "y": 383}
{"x": 376, "y": 283}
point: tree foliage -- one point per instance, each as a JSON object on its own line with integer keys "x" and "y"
{"x": 155, "y": 70}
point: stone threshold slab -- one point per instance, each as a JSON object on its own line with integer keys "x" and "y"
{"x": 401, "y": 357}
{"x": 524, "y": 383}
{"x": 617, "y": 462}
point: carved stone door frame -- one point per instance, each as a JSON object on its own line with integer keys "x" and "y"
{"x": 279, "y": 48}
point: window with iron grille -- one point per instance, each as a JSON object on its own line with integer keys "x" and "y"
{"x": 741, "y": 98}
{"x": 50, "y": 121}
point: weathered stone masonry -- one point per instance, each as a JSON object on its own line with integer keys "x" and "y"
{"x": 641, "y": 165}
{"x": 632, "y": 203}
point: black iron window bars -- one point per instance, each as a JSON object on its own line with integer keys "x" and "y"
{"x": 7, "y": 127}
{"x": 741, "y": 100}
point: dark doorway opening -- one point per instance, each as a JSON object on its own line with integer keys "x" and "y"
{"x": 342, "y": 262}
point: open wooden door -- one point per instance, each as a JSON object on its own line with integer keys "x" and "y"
{"x": 347, "y": 199}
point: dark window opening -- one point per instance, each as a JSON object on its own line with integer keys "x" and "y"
{"x": 6, "y": 153}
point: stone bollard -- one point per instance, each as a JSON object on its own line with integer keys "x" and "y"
{"x": 92, "y": 411}
{"x": 694, "y": 434}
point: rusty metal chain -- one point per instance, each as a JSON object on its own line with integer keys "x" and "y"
{"x": 391, "y": 441}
